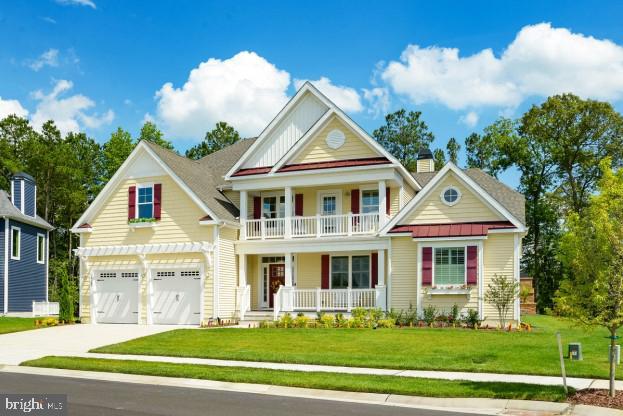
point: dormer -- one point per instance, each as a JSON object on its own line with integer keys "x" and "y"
{"x": 24, "y": 193}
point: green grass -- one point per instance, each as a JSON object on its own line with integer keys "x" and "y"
{"x": 314, "y": 380}
{"x": 533, "y": 352}
{"x": 8, "y": 324}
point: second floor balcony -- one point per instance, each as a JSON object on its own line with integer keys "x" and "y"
{"x": 343, "y": 225}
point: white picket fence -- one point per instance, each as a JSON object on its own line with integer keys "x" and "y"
{"x": 44, "y": 308}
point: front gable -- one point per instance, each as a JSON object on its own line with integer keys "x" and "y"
{"x": 334, "y": 141}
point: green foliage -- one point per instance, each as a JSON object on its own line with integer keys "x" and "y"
{"x": 115, "y": 151}
{"x": 140, "y": 220}
{"x": 501, "y": 293}
{"x": 301, "y": 321}
{"x": 403, "y": 135}
{"x": 151, "y": 133}
{"x": 455, "y": 313}
{"x": 221, "y": 136}
{"x": 327, "y": 321}
{"x": 429, "y": 314}
{"x": 67, "y": 291}
{"x": 440, "y": 158}
{"x": 453, "y": 148}
{"x": 471, "y": 319}
{"x": 286, "y": 321}
{"x": 524, "y": 293}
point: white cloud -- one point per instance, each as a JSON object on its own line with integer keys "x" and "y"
{"x": 346, "y": 98}
{"x": 8, "y": 107}
{"x": 245, "y": 90}
{"x": 47, "y": 58}
{"x": 540, "y": 61}
{"x": 88, "y": 3}
{"x": 378, "y": 100}
{"x": 49, "y": 20}
{"x": 470, "y": 119}
{"x": 69, "y": 113}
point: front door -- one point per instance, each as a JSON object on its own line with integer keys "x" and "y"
{"x": 276, "y": 278}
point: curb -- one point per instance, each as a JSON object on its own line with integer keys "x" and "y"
{"x": 464, "y": 405}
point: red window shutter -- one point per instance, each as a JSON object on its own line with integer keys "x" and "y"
{"x": 257, "y": 207}
{"x": 354, "y": 201}
{"x": 375, "y": 269}
{"x": 427, "y": 266}
{"x": 131, "y": 202}
{"x": 388, "y": 201}
{"x": 472, "y": 265}
{"x": 157, "y": 200}
{"x": 298, "y": 205}
{"x": 325, "y": 271}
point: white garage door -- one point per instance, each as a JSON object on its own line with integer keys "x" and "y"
{"x": 176, "y": 297}
{"x": 116, "y": 297}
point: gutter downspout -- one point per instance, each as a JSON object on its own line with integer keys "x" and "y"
{"x": 215, "y": 272}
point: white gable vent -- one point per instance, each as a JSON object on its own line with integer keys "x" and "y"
{"x": 335, "y": 139}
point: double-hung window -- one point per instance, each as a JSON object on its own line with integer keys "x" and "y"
{"x": 361, "y": 272}
{"x": 16, "y": 243}
{"x": 145, "y": 201}
{"x": 40, "y": 248}
{"x": 339, "y": 272}
{"x": 350, "y": 271}
{"x": 369, "y": 201}
{"x": 450, "y": 266}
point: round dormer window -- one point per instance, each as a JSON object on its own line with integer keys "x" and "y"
{"x": 335, "y": 139}
{"x": 450, "y": 195}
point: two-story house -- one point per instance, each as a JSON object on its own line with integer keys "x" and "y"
{"x": 312, "y": 215}
{"x": 23, "y": 248}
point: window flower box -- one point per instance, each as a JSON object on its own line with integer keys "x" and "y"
{"x": 142, "y": 222}
{"x": 457, "y": 290}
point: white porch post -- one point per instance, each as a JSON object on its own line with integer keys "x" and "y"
{"x": 288, "y": 290}
{"x": 243, "y": 214}
{"x": 288, "y": 218}
{"x": 381, "y": 290}
{"x": 242, "y": 284}
{"x": 382, "y": 197}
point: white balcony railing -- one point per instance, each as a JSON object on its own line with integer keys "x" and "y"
{"x": 316, "y": 226}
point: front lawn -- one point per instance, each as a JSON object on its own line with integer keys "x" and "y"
{"x": 423, "y": 349}
{"x": 8, "y": 324}
{"x": 314, "y": 380}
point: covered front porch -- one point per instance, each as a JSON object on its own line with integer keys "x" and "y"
{"x": 312, "y": 281}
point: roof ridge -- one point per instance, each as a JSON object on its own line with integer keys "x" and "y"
{"x": 495, "y": 179}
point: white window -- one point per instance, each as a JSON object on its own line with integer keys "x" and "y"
{"x": 40, "y": 248}
{"x": 145, "y": 201}
{"x": 339, "y": 272}
{"x": 273, "y": 206}
{"x": 450, "y": 266}
{"x": 361, "y": 272}
{"x": 16, "y": 243}
{"x": 350, "y": 271}
{"x": 450, "y": 195}
{"x": 369, "y": 201}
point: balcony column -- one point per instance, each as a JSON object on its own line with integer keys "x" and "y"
{"x": 288, "y": 218}
{"x": 382, "y": 196}
{"x": 381, "y": 290}
{"x": 244, "y": 199}
{"x": 288, "y": 290}
{"x": 242, "y": 284}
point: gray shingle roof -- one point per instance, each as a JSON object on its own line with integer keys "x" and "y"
{"x": 204, "y": 176}
{"x": 509, "y": 198}
{"x": 7, "y": 209}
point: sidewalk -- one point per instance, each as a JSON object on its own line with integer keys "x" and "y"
{"x": 577, "y": 383}
{"x": 463, "y": 405}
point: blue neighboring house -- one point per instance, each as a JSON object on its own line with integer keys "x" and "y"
{"x": 24, "y": 240}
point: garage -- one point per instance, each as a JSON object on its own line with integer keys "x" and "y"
{"x": 176, "y": 297}
{"x": 116, "y": 297}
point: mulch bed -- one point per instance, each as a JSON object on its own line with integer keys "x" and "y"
{"x": 595, "y": 397}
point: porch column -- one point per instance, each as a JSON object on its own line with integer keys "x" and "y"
{"x": 288, "y": 218}
{"x": 381, "y": 290}
{"x": 244, "y": 296}
{"x": 288, "y": 290}
{"x": 242, "y": 270}
{"x": 382, "y": 196}
{"x": 244, "y": 199}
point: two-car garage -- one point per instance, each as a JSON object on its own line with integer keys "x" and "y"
{"x": 173, "y": 296}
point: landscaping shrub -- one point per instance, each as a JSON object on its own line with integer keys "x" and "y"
{"x": 455, "y": 314}
{"x": 341, "y": 321}
{"x": 386, "y": 323}
{"x": 429, "y": 314}
{"x": 301, "y": 321}
{"x": 286, "y": 321}
{"x": 327, "y": 321}
{"x": 471, "y": 319}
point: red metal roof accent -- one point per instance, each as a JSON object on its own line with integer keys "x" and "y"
{"x": 85, "y": 225}
{"x": 335, "y": 164}
{"x": 465, "y": 229}
{"x": 252, "y": 171}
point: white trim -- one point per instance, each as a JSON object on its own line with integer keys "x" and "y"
{"x": 481, "y": 279}
{"x": 349, "y": 254}
{"x": 34, "y": 212}
{"x": 517, "y": 275}
{"x": 440, "y": 239}
{"x": 337, "y": 193}
{"x": 23, "y": 197}
{"x": 82, "y": 230}
{"x": 442, "y": 195}
{"x": 136, "y": 249}
{"x": 418, "y": 279}
{"x": 6, "y": 265}
{"x": 312, "y": 245}
{"x": 389, "y": 272}
{"x": 136, "y": 203}
{"x": 39, "y": 235}
{"x": 451, "y": 167}
{"x": 19, "y": 243}
{"x": 114, "y": 182}
{"x": 47, "y": 266}
{"x": 449, "y": 246}
{"x": 215, "y": 273}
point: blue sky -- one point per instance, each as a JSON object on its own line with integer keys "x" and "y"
{"x": 94, "y": 65}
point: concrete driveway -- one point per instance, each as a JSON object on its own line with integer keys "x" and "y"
{"x": 69, "y": 340}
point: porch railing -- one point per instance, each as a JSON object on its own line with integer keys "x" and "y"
{"x": 332, "y": 299}
{"x": 312, "y": 226}
{"x": 244, "y": 300}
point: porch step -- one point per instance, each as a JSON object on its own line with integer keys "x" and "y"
{"x": 253, "y": 318}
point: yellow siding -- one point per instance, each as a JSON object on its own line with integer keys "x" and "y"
{"x": 308, "y": 270}
{"x": 228, "y": 272}
{"x": 179, "y": 222}
{"x": 318, "y": 151}
{"x": 427, "y": 165}
{"x": 498, "y": 259}
{"x": 407, "y": 195}
{"x": 233, "y": 196}
{"x": 404, "y": 273}
{"x": 444, "y": 303}
{"x": 310, "y": 198}
{"x": 253, "y": 280}
{"x": 469, "y": 208}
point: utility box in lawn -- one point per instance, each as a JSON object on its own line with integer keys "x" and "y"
{"x": 575, "y": 351}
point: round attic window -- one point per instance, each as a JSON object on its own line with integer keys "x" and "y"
{"x": 335, "y": 139}
{"x": 450, "y": 195}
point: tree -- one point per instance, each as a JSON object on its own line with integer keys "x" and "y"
{"x": 115, "y": 151}
{"x": 67, "y": 295}
{"x": 502, "y": 293}
{"x": 440, "y": 158}
{"x": 151, "y": 133}
{"x": 453, "y": 148}
{"x": 591, "y": 251}
{"x": 490, "y": 152}
{"x": 403, "y": 135}
{"x": 221, "y": 136}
